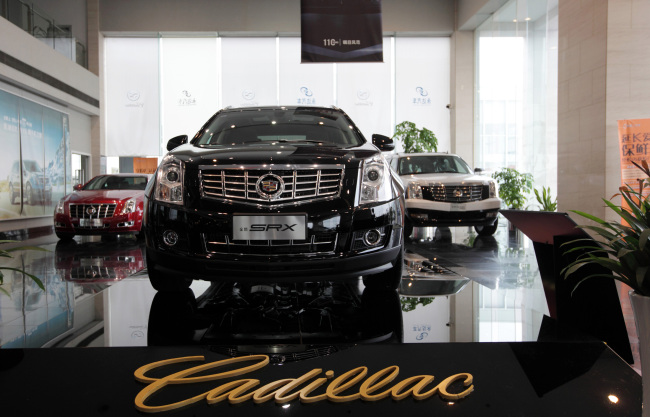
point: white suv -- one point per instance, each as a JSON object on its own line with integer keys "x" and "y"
{"x": 442, "y": 190}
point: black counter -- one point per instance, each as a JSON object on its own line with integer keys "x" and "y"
{"x": 509, "y": 379}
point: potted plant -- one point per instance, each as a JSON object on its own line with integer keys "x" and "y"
{"x": 414, "y": 139}
{"x": 513, "y": 187}
{"x": 7, "y": 253}
{"x": 544, "y": 199}
{"x": 625, "y": 251}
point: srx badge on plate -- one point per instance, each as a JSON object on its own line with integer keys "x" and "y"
{"x": 270, "y": 227}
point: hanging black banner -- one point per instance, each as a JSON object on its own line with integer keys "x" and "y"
{"x": 341, "y": 31}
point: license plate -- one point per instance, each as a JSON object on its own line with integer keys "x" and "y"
{"x": 270, "y": 227}
{"x": 90, "y": 223}
{"x": 458, "y": 207}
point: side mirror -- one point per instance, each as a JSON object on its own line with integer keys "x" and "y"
{"x": 176, "y": 141}
{"x": 77, "y": 187}
{"x": 478, "y": 171}
{"x": 384, "y": 143}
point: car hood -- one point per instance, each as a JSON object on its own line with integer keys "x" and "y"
{"x": 95, "y": 196}
{"x": 274, "y": 153}
{"x": 446, "y": 179}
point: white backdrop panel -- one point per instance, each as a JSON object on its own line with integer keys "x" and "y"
{"x": 364, "y": 93}
{"x": 422, "y": 85}
{"x": 249, "y": 71}
{"x": 303, "y": 84}
{"x": 189, "y": 86}
{"x": 132, "y": 113}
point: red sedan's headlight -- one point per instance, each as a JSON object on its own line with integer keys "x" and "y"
{"x": 60, "y": 207}
{"x": 129, "y": 206}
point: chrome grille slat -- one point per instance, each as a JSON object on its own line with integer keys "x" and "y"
{"x": 321, "y": 243}
{"x": 301, "y": 183}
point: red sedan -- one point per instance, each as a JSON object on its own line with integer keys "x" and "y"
{"x": 105, "y": 205}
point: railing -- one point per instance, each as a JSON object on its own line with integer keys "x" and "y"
{"x": 43, "y": 28}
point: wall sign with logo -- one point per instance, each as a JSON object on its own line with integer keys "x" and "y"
{"x": 341, "y": 31}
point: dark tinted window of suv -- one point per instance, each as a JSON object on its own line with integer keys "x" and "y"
{"x": 273, "y": 125}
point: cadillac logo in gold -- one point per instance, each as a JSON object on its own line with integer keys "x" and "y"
{"x": 311, "y": 387}
{"x": 270, "y": 186}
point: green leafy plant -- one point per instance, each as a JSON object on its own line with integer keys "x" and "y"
{"x": 414, "y": 139}
{"x": 625, "y": 247}
{"x": 513, "y": 186}
{"x": 7, "y": 253}
{"x": 544, "y": 199}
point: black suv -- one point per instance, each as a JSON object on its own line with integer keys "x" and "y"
{"x": 275, "y": 194}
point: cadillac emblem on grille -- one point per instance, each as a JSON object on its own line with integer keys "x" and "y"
{"x": 458, "y": 192}
{"x": 91, "y": 210}
{"x": 270, "y": 186}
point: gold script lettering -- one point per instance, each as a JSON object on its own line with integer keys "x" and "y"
{"x": 285, "y": 390}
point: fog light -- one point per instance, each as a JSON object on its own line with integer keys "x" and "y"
{"x": 170, "y": 237}
{"x": 371, "y": 237}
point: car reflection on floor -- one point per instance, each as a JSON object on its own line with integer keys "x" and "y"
{"x": 293, "y": 319}
{"x": 456, "y": 286}
{"x": 103, "y": 260}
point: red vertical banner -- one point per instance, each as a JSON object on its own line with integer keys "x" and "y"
{"x": 145, "y": 165}
{"x": 634, "y": 145}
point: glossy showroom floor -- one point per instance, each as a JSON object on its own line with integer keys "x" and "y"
{"x": 456, "y": 287}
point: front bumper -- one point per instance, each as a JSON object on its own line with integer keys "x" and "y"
{"x": 205, "y": 248}
{"x": 437, "y": 213}
{"x": 126, "y": 223}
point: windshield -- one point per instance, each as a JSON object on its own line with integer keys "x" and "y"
{"x": 31, "y": 166}
{"x": 431, "y": 164}
{"x": 280, "y": 125}
{"x": 111, "y": 182}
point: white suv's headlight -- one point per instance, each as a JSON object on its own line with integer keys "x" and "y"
{"x": 414, "y": 190}
{"x": 169, "y": 181}
{"x": 129, "y": 206}
{"x": 375, "y": 181}
{"x": 493, "y": 189}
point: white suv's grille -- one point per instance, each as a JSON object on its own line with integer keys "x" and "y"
{"x": 453, "y": 193}
{"x": 272, "y": 186}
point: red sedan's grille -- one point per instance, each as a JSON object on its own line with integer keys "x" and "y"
{"x": 92, "y": 211}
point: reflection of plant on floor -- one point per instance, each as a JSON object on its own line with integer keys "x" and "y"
{"x": 7, "y": 253}
{"x": 411, "y": 303}
{"x": 414, "y": 139}
{"x": 513, "y": 187}
{"x": 544, "y": 200}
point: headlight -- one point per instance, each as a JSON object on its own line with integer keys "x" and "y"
{"x": 60, "y": 207}
{"x": 493, "y": 189}
{"x": 129, "y": 206}
{"x": 375, "y": 182}
{"x": 414, "y": 190}
{"x": 169, "y": 182}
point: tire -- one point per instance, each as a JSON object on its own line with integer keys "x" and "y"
{"x": 487, "y": 230}
{"x": 388, "y": 279}
{"x": 12, "y": 195}
{"x": 64, "y": 236}
{"x": 30, "y": 194}
{"x": 163, "y": 282}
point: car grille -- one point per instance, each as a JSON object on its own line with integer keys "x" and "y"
{"x": 453, "y": 193}
{"x": 317, "y": 243}
{"x": 299, "y": 184}
{"x": 92, "y": 211}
